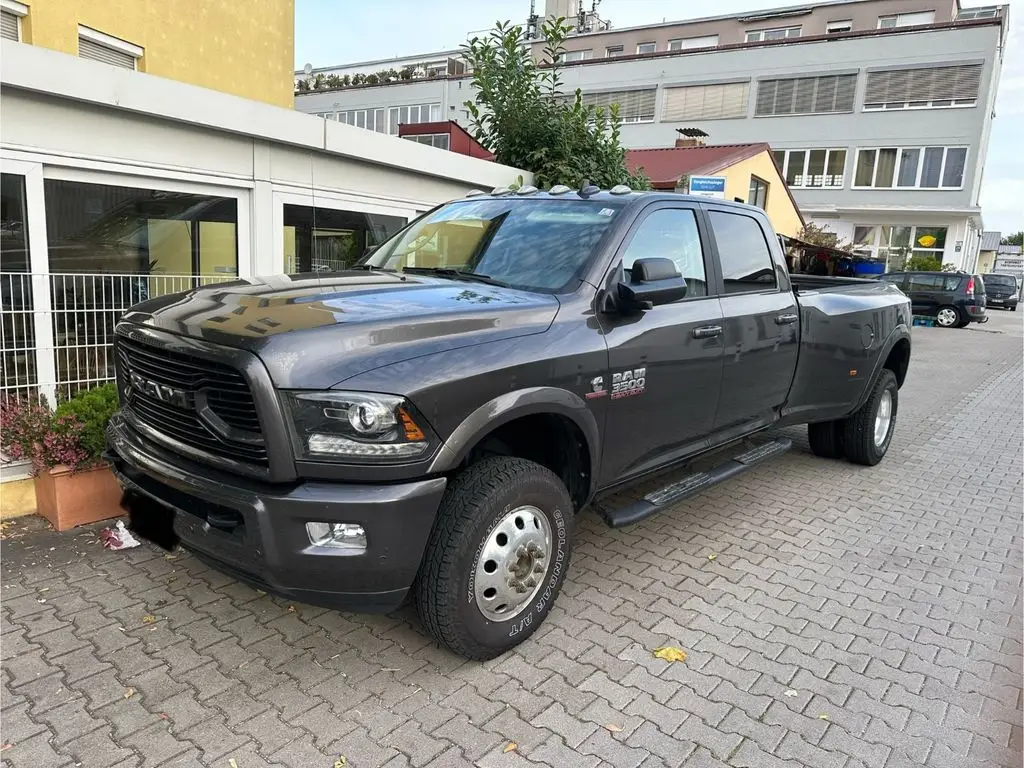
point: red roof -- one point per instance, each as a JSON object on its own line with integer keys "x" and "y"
{"x": 664, "y": 166}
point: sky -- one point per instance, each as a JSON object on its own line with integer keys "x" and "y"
{"x": 338, "y": 31}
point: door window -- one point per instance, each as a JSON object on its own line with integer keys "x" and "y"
{"x": 926, "y": 282}
{"x": 897, "y": 280}
{"x": 746, "y": 261}
{"x": 671, "y": 233}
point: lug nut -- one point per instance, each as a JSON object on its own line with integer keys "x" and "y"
{"x": 538, "y": 568}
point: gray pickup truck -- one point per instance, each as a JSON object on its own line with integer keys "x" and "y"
{"x": 429, "y": 424}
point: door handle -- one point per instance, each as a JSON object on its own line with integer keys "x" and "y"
{"x": 786, "y": 319}
{"x": 707, "y": 332}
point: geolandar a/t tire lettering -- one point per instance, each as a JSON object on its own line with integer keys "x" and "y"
{"x": 496, "y": 558}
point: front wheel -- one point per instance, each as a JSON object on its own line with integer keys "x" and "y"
{"x": 868, "y": 432}
{"x": 496, "y": 558}
{"x": 947, "y": 317}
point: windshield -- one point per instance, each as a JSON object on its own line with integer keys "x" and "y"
{"x": 1003, "y": 281}
{"x": 538, "y": 244}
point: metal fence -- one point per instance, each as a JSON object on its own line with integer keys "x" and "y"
{"x": 56, "y": 329}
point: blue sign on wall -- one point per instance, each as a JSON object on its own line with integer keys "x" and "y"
{"x": 708, "y": 186}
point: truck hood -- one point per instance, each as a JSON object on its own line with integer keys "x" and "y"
{"x": 315, "y": 331}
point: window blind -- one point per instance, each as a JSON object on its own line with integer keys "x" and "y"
{"x": 634, "y": 106}
{"x": 706, "y": 102}
{"x": 88, "y": 49}
{"x": 8, "y": 26}
{"x": 902, "y": 86}
{"x": 806, "y": 95}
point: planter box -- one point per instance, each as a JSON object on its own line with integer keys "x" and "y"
{"x": 67, "y": 499}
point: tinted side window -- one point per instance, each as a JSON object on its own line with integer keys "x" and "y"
{"x": 671, "y": 233}
{"x": 746, "y": 261}
{"x": 951, "y": 283}
{"x": 925, "y": 282}
{"x": 897, "y": 279}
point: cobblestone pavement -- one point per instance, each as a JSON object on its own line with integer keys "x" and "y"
{"x": 852, "y": 617}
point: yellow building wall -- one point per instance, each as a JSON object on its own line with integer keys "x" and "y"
{"x": 986, "y": 261}
{"x": 243, "y": 47}
{"x": 780, "y": 208}
{"x": 17, "y": 498}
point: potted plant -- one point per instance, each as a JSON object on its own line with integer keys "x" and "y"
{"x": 73, "y": 484}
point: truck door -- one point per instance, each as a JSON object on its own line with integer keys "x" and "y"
{"x": 761, "y": 320}
{"x": 666, "y": 362}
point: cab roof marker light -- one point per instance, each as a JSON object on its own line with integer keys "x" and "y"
{"x": 620, "y": 189}
{"x": 475, "y": 193}
{"x": 559, "y": 189}
{"x": 499, "y": 191}
{"x": 589, "y": 190}
{"x": 529, "y": 189}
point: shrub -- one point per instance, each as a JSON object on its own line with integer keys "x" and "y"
{"x": 73, "y": 435}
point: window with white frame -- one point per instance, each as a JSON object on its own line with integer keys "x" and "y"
{"x": 435, "y": 140}
{"x": 806, "y": 95}
{"x": 923, "y": 88}
{"x": 681, "y": 44}
{"x": 906, "y": 19}
{"x": 835, "y": 27}
{"x": 577, "y": 55}
{"x": 634, "y": 106}
{"x": 647, "y": 48}
{"x": 715, "y": 101}
{"x": 778, "y": 33}
{"x": 812, "y": 168}
{"x": 99, "y": 46}
{"x": 370, "y": 119}
{"x": 413, "y": 113}
{"x": 983, "y": 12}
{"x": 894, "y": 242}
{"x": 11, "y": 14}
{"x": 614, "y": 50}
{"x": 910, "y": 168}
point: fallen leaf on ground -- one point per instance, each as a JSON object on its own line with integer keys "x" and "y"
{"x": 823, "y": 716}
{"x": 163, "y": 716}
{"x": 6, "y": 745}
{"x": 175, "y": 557}
{"x": 791, "y": 693}
{"x": 232, "y": 763}
{"x": 148, "y": 619}
{"x": 129, "y": 692}
{"x": 341, "y": 762}
{"x": 510, "y": 747}
{"x": 612, "y": 727}
{"x": 712, "y": 556}
{"x": 291, "y": 609}
{"x": 670, "y": 653}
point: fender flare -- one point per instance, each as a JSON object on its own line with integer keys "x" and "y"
{"x": 513, "y": 405}
{"x": 898, "y": 334}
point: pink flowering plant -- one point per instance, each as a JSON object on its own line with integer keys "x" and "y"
{"x": 71, "y": 436}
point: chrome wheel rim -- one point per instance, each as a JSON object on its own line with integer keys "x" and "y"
{"x": 883, "y": 418}
{"x": 946, "y": 317}
{"x": 512, "y": 564}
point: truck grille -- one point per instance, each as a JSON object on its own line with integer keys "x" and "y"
{"x": 164, "y": 388}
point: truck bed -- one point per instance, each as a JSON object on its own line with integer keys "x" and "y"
{"x": 804, "y": 283}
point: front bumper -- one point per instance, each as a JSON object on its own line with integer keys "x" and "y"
{"x": 1007, "y": 302}
{"x": 256, "y": 531}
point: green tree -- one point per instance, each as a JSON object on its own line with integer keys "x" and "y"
{"x": 524, "y": 117}
{"x": 823, "y": 236}
{"x": 1017, "y": 238}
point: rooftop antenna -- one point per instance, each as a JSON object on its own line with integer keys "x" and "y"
{"x": 531, "y": 21}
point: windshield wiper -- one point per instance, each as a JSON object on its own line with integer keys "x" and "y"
{"x": 456, "y": 274}
{"x": 372, "y": 268}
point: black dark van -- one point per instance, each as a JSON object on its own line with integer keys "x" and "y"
{"x": 954, "y": 299}
{"x": 1001, "y": 291}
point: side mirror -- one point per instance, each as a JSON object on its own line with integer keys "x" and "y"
{"x": 654, "y": 281}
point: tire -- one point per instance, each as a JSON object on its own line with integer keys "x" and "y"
{"x": 488, "y": 498}
{"x": 1013, "y": 308}
{"x": 859, "y": 430}
{"x": 948, "y": 317}
{"x": 826, "y": 439}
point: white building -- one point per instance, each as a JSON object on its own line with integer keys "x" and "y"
{"x": 879, "y": 111}
{"x": 117, "y": 186}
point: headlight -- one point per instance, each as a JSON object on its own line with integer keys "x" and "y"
{"x": 353, "y": 426}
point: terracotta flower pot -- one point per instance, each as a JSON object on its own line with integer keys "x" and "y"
{"x": 68, "y": 499}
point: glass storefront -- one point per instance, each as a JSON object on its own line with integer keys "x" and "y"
{"x": 111, "y": 247}
{"x": 17, "y": 328}
{"x": 331, "y": 240}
